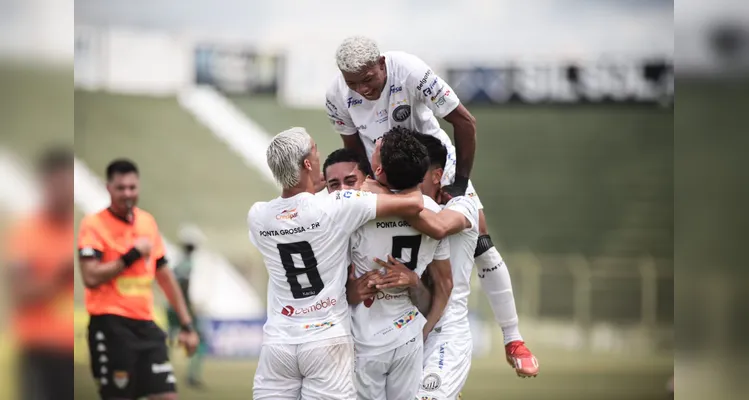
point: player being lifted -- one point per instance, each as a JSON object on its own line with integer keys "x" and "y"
{"x": 378, "y": 91}
{"x": 387, "y": 328}
{"x": 304, "y": 240}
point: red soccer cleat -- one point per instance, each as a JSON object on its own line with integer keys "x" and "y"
{"x": 520, "y": 358}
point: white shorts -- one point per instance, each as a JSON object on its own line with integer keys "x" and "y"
{"x": 447, "y": 360}
{"x": 327, "y": 367}
{"x": 394, "y": 375}
{"x": 448, "y": 177}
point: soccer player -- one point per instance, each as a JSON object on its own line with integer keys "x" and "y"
{"x": 121, "y": 252}
{"x": 41, "y": 284}
{"x": 448, "y": 348}
{"x": 344, "y": 169}
{"x": 388, "y": 328}
{"x": 376, "y": 92}
{"x": 304, "y": 240}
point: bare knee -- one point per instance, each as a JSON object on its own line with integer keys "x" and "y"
{"x": 483, "y": 229}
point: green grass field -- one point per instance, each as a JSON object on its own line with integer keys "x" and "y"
{"x": 564, "y": 376}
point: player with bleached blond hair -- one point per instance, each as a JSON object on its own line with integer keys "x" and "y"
{"x": 376, "y": 92}
{"x": 308, "y": 351}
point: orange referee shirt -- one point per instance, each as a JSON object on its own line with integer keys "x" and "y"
{"x": 42, "y": 248}
{"x": 107, "y": 237}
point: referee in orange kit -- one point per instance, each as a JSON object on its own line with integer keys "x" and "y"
{"x": 121, "y": 252}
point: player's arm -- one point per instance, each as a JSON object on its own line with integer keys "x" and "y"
{"x": 404, "y": 204}
{"x": 341, "y": 120}
{"x": 464, "y": 130}
{"x": 444, "y": 103}
{"x": 441, "y": 273}
{"x": 421, "y": 297}
{"x": 94, "y": 272}
{"x": 26, "y": 290}
{"x": 439, "y": 225}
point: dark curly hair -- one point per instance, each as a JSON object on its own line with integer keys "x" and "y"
{"x": 405, "y": 160}
{"x": 436, "y": 149}
{"x": 347, "y": 155}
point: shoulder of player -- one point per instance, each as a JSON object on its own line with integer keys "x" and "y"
{"x": 256, "y": 209}
{"x": 406, "y": 65}
{"x": 430, "y": 204}
{"x": 144, "y": 216}
{"x": 336, "y": 89}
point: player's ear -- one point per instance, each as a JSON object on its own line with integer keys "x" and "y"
{"x": 381, "y": 62}
{"x": 437, "y": 175}
{"x": 307, "y": 164}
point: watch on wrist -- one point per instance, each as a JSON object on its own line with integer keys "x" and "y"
{"x": 187, "y": 328}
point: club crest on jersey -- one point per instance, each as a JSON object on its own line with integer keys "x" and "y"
{"x": 120, "y": 378}
{"x": 352, "y": 102}
{"x": 402, "y": 112}
{"x": 287, "y": 215}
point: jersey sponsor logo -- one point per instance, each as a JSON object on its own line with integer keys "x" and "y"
{"x": 393, "y": 224}
{"x": 290, "y": 311}
{"x": 336, "y": 121}
{"x": 347, "y": 194}
{"x": 361, "y": 127}
{"x": 287, "y": 215}
{"x": 161, "y": 368}
{"x": 424, "y": 80}
{"x": 382, "y": 116}
{"x": 441, "y": 362}
{"x": 135, "y": 286}
{"x": 431, "y": 382}
{"x": 428, "y": 91}
{"x": 319, "y": 325}
{"x": 402, "y": 112}
{"x": 384, "y": 296}
{"x": 394, "y": 89}
{"x": 331, "y": 107}
{"x": 352, "y": 102}
{"x": 441, "y": 101}
{"x": 405, "y": 319}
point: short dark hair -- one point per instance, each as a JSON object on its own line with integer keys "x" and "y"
{"x": 436, "y": 149}
{"x": 404, "y": 159}
{"x": 121, "y": 166}
{"x": 347, "y": 155}
{"x": 55, "y": 159}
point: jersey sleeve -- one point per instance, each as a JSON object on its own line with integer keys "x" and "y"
{"x": 90, "y": 243}
{"x": 426, "y": 86}
{"x": 466, "y": 206}
{"x": 338, "y": 111}
{"x": 351, "y": 208}
{"x": 251, "y": 224}
{"x": 443, "y": 250}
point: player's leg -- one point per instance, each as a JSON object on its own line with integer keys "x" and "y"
{"x": 277, "y": 375}
{"x": 404, "y": 375}
{"x": 113, "y": 362}
{"x": 46, "y": 375}
{"x": 447, "y": 362}
{"x": 370, "y": 375}
{"x": 155, "y": 374}
{"x": 328, "y": 369}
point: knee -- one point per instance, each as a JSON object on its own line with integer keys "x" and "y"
{"x": 483, "y": 245}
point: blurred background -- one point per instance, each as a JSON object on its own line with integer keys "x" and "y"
{"x": 575, "y": 163}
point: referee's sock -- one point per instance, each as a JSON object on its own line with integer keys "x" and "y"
{"x": 496, "y": 283}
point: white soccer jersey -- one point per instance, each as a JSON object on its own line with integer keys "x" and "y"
{"x": 462, "y": 248}
{"x": 413, "y": 97}
{"x": 304, "y": 241}
{"x": 384, "y": 323}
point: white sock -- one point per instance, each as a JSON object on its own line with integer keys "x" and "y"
{"x": 496, "y": 283}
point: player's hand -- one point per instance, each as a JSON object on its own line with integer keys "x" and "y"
{"x": 457, "y": 188}
{"x": 371, "y": 185}
{"x": 397, "y": 275}
{"x": 190, "y": 341}
{"x": 363, "y": 287}
{"x": 143, "y": 245}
